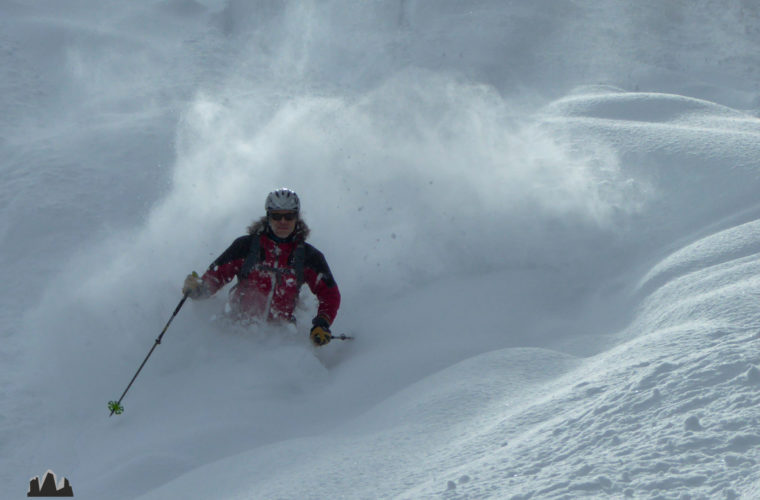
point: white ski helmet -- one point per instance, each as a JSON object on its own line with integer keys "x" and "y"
{"x": 283, "y": 199}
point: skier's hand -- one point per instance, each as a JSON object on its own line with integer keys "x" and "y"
{"x": 193, "y": 286}
{"x": 320, "y": 331}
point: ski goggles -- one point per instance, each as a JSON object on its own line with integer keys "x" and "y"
{"x": 287, "y": 216}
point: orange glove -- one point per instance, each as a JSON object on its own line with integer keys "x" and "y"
{"x": 194, "y": 286}
{"x": 320, "y": 331}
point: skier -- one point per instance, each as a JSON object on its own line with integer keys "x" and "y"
{"x": 271, "y": 263}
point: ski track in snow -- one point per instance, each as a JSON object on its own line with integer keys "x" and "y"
{"x": 554, "y": 292}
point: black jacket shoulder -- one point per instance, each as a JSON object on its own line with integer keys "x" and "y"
{"x": 316, "y": 261}
{"x": 238, "y": 250}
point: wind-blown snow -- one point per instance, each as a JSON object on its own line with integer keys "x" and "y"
{"x": 543, "y": 218}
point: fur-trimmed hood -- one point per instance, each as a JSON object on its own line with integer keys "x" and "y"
{"x": 261, "y": 225}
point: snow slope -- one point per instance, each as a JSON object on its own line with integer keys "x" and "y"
{"x": 542, "y": 217}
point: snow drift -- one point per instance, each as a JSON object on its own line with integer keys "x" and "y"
{"x": 545, "y": 235}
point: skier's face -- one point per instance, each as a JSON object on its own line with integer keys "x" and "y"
{"x": 281, "y": 226}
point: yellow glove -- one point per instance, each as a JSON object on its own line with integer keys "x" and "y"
{"x": 320, "y": 332}
{"x": 194, "y": 287}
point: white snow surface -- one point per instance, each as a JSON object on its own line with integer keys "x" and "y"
{"x": 543, "y": 217}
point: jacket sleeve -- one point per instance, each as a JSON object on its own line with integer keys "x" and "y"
{"x": 227, "y": 265}
{"x": 318, "y": 276}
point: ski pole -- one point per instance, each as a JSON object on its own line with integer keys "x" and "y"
{"x": 115, "y": 406}
{"x": 341, "y": 337}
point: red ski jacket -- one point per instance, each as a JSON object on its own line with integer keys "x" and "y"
{"x": 270, "y": 287}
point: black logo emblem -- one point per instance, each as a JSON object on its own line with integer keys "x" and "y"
{"x": 49, "y": 487}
